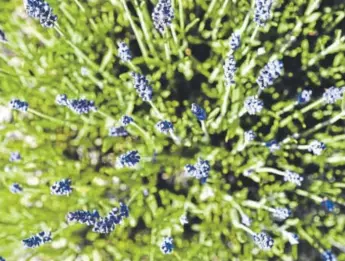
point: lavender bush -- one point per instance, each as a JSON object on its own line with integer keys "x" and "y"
{"x": 172, "y": 130}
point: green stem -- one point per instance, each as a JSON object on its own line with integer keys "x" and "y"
{"x": 166, "y": 46}
{"x": 79, "y": 5}
{"x": 256, "y": 30}
{"x": 181, "y": 14}
{"x": 204, "y": 129}
{"x": 219, "y": 19}
{"x": 46, "y": 116}
{"x": 135, "y": 30}
{"x": 285, "y": 121}
{"x": 146, "y": 33}
{"x": 176, "y": 139}
{"x": 243, "y": 227}
{"x": 133, "y": 196}
{"x": 173, "y": 33}
{"x": 207, "y": 14}
{"x": 270, "y": 170}
{"x": 145, "y": 134}
{"x": 307, "y": 194}
{"x": 287, "y": 108}
{"x": 157, "y": 112}
{"x": 321, "y": 125}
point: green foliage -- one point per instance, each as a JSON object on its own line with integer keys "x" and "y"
{"x": 38, "y": 63}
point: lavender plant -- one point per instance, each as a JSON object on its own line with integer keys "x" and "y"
{"x": 241, "y": 145}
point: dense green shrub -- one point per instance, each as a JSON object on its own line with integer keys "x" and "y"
{"x": 78, "y": 56}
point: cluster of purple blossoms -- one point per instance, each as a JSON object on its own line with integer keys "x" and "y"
{"x": 121, "y": 131}
{"x": 3, "y": 37}
{"x": 280, "y": 214}
{"x": 41, "y": 10}
{"x": 273, "y": 146}
{"x": 316, "y": 147}
{"x": 61, "y": 188}
{"x": 37, "y": 240}
{"x": 304, "y": 96}
{"x": 124, "y": 52}
{"x": 229, "y": 68}
{"x": 249, "y": 136}
{"x": 293, "y": 178}
{"x": 19, "y": 105}
{"x": 103, "y": 225}
{"x": 263, "y": 241}
{"x": 165, "y": 127}
{"x": 262, "y": 11}
{"x": 16, "y": 188}
{"x": 126, "y": 120}
{"x": 107, "y": 224}
{"x": 83, "y": 217}
{"x": 253, "y": 105}
{"x": 167, "y": 245}
{"x": 118, "y": 132}
{"x": 235, "y": 41}
{"x": 328, "y": 205}
{"x": 142, "y": 86}
{"x": 332, "y": 95}
{"x": 328, "y": 256}
{"x": 270, "y": 72}
{"x": 2, "y": 259}
{"x": 15, "y": 156}
{"x": 199, "y": 112}
{"x": 80, "y": 106}
{"x": 162, "y": 15}
{"x": 128, "y": 159}
{"x": 201, "y": 170}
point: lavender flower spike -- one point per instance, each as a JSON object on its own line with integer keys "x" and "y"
{"x": 162, "y": 15}
{"x": 126, "y": 120}
{"x": 124, "y": 52}
{"x": 270, "y": 72}
{"x": 262, "y": 11}
{"x": 118, "y": 132}
{"x": 332, "y": 95}
{"x": 229, "y": 68}
{"x": 40, "y": 10}
{"x": 83, "y": 217}
{"x": 280, "y": 214}
{"x": 129, "y": 159}
{"x": 253, "y": 105}
{"x": 61, "y": 188}
{"x": 142, "y": 86}
{"x": 293, "y": 178}
{"x": 164, "y": 127}
{"x": 316, "y": 147}
{"x": 81, "y": 106}
{"x": 37, "y": 240}
{"x": 263, "y": 241}
{"x": 199, "y": 112}
{"x": 235, "y": 41}
{"x": 304, "y": 96}
{"x": 167, "y": 245}
{"x": 328, "y": 256}
{"x": 19, "y": 105}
